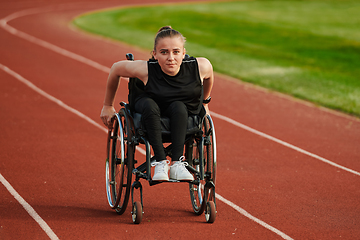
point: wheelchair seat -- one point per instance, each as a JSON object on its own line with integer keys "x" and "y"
{"x": 193, "y": 124}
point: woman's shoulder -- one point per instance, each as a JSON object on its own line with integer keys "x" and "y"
{"x": 205, "y": 67}
{"x": 130, "y": 69}
{"x": 203, "y": 61}
{"x": 204, "y": 64}
{"x": 127, "y": 64}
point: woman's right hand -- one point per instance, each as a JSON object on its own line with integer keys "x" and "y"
{"x": 107, "y": 115}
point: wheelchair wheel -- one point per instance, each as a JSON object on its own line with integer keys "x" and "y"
{"x": 137, "y": 213}
{"x": 119, "y": 163}
{"x": 202, "y": 157}
{"x": 197, "y": 188}
{"x": 210, "y": 156}
{"x": 210, "y": 212}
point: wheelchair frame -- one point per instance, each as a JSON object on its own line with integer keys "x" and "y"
{"x": 200, "y": 153}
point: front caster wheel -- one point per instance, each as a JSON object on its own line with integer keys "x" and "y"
{"x": 210, "y": 212}
{"x": 137, "y": 213}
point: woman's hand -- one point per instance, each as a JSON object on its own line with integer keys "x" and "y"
{"x": 107, "y": 115}
{"x": 206, "y": 106}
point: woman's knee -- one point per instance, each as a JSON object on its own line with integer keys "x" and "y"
{"x": 147, "y": 106}
{"x": 178, "y": 108}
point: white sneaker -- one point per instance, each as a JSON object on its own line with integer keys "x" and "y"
{"x": 161, "y": 170}
{"x": 178, "y": 170}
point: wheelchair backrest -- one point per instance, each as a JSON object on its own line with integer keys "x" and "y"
{"x": 135, "y": 86}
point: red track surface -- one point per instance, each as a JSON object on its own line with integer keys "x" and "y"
{"x": 55, "y": 160}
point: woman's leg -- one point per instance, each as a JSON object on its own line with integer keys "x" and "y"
{"x": 151, "y": 117}
{"x": 178, "y": 114}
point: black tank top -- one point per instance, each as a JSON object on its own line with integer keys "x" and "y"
{"x": 185, "y": 86}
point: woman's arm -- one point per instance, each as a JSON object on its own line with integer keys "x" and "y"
{"x": 207, "y": 77}
{"x": 120, "y": 69}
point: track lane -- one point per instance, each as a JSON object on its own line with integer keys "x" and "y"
{"x": 288, "y": 190}
{"x": 218, "y": 134}
{"x": 332, "y": 136}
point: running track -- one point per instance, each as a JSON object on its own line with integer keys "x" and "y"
{"x": 286, "y": 169}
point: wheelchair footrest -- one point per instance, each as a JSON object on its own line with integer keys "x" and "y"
{"x": 151, "y": 182}
{"x": 139, "y": 174}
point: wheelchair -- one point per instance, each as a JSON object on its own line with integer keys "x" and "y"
{"x": 123, "y": 173}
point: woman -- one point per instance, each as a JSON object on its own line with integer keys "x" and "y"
{"x": 173, "y": 88}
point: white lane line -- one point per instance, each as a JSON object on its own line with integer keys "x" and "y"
{"x": 83, "y": 116}
{"x": 32, "y": 39}
{"x": 248, "y": 215}
{"x": 4, "y": 25}
{"x": 48, "y": 96}
{"x": 264, "y": 135}
{"x": 29, "y": 209}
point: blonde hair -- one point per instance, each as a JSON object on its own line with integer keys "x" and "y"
{"x": 167, "y": 31}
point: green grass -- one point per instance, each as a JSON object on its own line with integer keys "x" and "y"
{"x": 309, "y": 49}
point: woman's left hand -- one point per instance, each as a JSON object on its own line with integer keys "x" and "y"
{"x": 207, "y": 109}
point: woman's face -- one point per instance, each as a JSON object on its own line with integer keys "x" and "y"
{"x": 170, "y": 52}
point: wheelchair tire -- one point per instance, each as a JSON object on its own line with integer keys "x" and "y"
{"x": 206, "y": 152}
{"x": 210, "y": 212}
{"x": 196, "y": 190}
{"x": 210, "y": 156}
{"x": 137, "y": 213}
{"x": 119, "y": 163}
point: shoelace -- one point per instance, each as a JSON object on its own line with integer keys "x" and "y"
{"x": 182, "y": 164}
{"x": 161, "y": 164}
